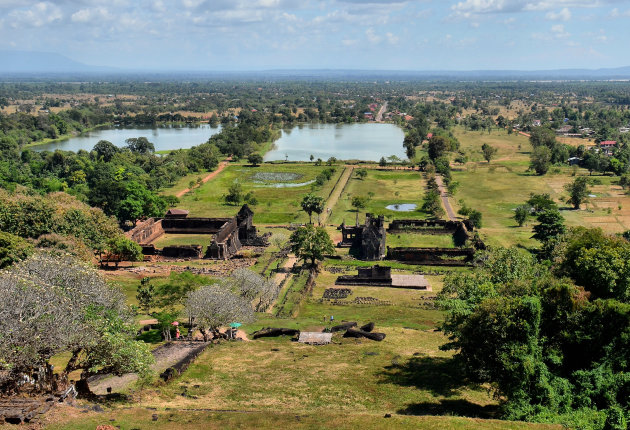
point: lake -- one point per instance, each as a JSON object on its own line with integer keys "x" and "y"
{"x": 343, "y": 141}
{"x": 164, "y": 138}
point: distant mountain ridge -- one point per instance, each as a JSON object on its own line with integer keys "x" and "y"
{"x": 43, "y": 64}
{"x": 15, "y": 62}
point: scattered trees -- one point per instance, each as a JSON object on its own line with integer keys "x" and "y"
{"x": 359, "y": 203}
{"x": 361, "y": 173}
{"x": 521, "y": 213}
{"x": 234, "y": 195}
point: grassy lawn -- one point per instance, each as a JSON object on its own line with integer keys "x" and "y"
{"x": 184, "y": 239}
{"x": 497, "y": 188}
{"x": 420, "y": 240}
{"x": 389, "y": 188}
{"x": 275, "y": 205}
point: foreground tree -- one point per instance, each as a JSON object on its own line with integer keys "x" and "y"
{"x": 549, "y": 352}
{"x": 311, "y": 243}
{"x": 254, "y": 288}
{"x": 212, "y": 306}
{"x": 53, "y": 304}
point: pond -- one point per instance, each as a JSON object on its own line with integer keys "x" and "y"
{"x": 342, "y": 141}
{"x": 402, "y": 207}
{"x": 165, "y": 138}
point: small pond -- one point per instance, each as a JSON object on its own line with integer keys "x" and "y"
{"x": 402, "y": 207}
{"x": 164, "y": 138}
{"x": 363, "y": 141}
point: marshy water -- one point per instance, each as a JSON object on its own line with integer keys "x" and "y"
{"x": 402, "y": 207}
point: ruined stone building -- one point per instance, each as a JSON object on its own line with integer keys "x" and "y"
{"x": 228, "y": 234}
{"x": 365, "y": 241}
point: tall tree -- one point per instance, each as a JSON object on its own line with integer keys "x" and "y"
{"x": 311, "y": 243}
{"x": 578, "y": 191}
{"x": 312, "y": 204}
{"x": 488, "y": 152}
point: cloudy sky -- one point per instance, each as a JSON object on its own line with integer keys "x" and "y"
{"x": 334, "y": 34}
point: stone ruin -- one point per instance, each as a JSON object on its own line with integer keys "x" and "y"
{"x": 366, "y": 241}
{"x": 228, "y": 234}
{"x": 381, "y": 276}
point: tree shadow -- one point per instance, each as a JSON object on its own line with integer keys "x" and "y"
{"x": 442, "y": 377}
{"x": 457, "y": 407}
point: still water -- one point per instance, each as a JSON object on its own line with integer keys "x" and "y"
{"x": 164, "y": 138}
{"x": 343, "y": 141}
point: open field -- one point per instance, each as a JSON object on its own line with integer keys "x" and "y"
{"x": 496, "y": 188}
{"x": 389, "y": 187}
{"x": 275, "y": 205}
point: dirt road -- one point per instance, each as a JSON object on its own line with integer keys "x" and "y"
{"x": 336, "y": 194}
{"x": 222, "y": 166}
{"x": 381, "y": 111}
{"x": 444, "y": 196}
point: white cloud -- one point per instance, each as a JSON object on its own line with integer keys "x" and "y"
{"x": 562, "y": 15}
{"x": 371, "y": 35}
{"x": 392, "y": 38}
{"x": 38, "y": 15}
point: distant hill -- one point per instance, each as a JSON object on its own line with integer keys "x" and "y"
{"x": 31, "y": 62}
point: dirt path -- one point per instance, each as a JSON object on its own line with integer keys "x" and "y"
{"x": 444, "y": 196}
{"x": 165, "y": 356}
{"x": 222, "y": 166}
{"x": 336, "y": 193}
{"x": 284, "y": 276}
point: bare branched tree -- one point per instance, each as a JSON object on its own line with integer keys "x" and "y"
{"x": 213, "y": 306}
{"x": 51, "y": 304}
{"x": 254, "y": 288}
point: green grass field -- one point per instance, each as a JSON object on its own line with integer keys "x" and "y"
{"x": 275, "y": 205}
{"x": 389, "y": 188}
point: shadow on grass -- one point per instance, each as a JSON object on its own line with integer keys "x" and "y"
{"x": 442, "y": 377}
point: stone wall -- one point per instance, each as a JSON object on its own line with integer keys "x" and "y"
{"x": 147, "y": 231}
{"x": 432, "y": 256}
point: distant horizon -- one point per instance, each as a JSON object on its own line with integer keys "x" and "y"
{"x": 261, "y": 35}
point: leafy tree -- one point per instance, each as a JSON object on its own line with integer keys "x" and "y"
{"x": 438, "y": 146}
{"x": 578, "y": 191}
{"x": 382, "y": 162}
{"x": 105, "y": 150}
{"x": 549, "y": 228}
{"x": 359, "y": 203}
{"x": 311, "y": 243}
{"x": 235, "y": 194}
{"x": 521, "y": 213}
{"x": 540, "y": 160}
{"x": 13, "y": 249}
{"x": 140, "y": 145}
{"x": 475, "y": 217}
{"x": 541, "y": 202}
{"x": 312, "y": 204}
{"x": 255, "y": 159}
{"x": 432, "y": 204}
{"x": 542, "y": 136}
{"x": 146, "y": 294}
{"x": 123, "y": 249}
{"x": 361, "y": 173}
{"x": 488, "y": 152}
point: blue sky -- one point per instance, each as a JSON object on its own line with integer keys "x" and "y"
{"x": 333, "y": 34}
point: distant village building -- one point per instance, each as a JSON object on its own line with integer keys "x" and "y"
{"x": 607, "y": 146}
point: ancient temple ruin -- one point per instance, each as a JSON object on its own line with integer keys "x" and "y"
{"x": 365, "y": 241}
{"x": 228, "y": 234}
